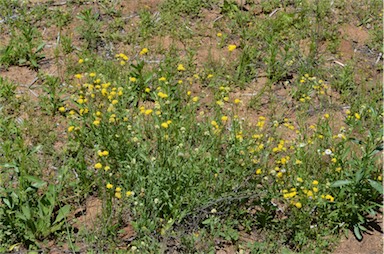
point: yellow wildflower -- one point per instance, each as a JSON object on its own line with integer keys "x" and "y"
{"x": 220, "y": 103}
{"x": 144, "y": 51}
{"x": 123, "y": 56}
{"x": 231, "y": 47}
{"x": 162, "y": 95}
{"x": 148, "y": 111}
{"x": 180, "y": 67}
{"x": 329, "y": 197}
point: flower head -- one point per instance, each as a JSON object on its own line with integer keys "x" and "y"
{"x": 144, "y": 51}
{"x": 180, "y": 67}
{"x": 129, "y": 193}
{"x": 165, "y": 125}
{"x": 231, "y": 47}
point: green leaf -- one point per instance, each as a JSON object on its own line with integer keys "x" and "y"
{"x": 26, "y": 212}
{"x": 63, "y": 212}
{"x": 340, "y": 183}
{"x": 356, "y": 231}
{"x": 56, "y": 227}
{"x": 362, "y": 228}
{"x": 9, "y": 165}
{"x": 35, "y": 149}
{"x": 35, "y": 182}
{"x": 6, "y": 201}
{"x": 20, "y": 216}
{"x": 359, "y": 175}
{"x": 378, "y": 149}
{"x": 22, "y": 61}
{"x": 40, "y": 47}
{"x": 144, "y": 157}
{"x": 34, "y": 63}
{"x": 376, "y": 185}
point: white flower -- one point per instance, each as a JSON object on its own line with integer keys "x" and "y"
{"x": 328, "y": 151}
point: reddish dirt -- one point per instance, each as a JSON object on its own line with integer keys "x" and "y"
{"x": 209, "y": 52}
{"x": 372, "y": 242}
{"x": 19, "y": 75}
{"x": 355, "y": 34}
{"x": 134, "y": 6}
{"x": 88, "y": 215}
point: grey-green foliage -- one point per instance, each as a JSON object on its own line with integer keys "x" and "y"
{"x": 24, "y": 48}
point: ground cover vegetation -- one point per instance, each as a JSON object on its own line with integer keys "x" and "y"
{"x": 189, "y": 126}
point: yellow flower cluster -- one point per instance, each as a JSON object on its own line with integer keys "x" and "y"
{"x": 231, "y": 47}
{"x": 280, "y": 147}
{"x": 261, "y": 122}
{"x": 166, "y": 124}
{"x": 144, "y": 51}
{"x": 122, "y": 57}
{"x": 180, "y": 67}
{"x": 102, "y": 153}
